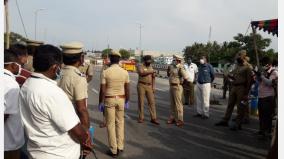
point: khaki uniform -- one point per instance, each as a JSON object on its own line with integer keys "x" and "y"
{"x": 87, "y": 69}
{"x": 176, "y": 76}
{"x": 242, "y": 79}
{"x": 145, "y": 87}
{"x": 115, "y": 78}
{"x": 246, "y": 110}
{"x": 73, "y": 83}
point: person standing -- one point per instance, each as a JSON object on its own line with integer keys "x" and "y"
{"x": 115, "y": 97}
{"x": 177, "y": 75}
{"x": 205, "y": 78}
{"x": 267, "y": 94}
{"x": 241, "y": 78}
{"x": 188, "y": 87}
{"x": 32, "y": 46}
{"x": 101, "y": 106}
{"x": 21, "y": 51}
{"x": 87, "y": 69}
{"x": 73, "y": 82}
{"x": 146, "y": 86}
{"x": 226, "y": 81}
{"x": 13, "y": 128}
{"x": 50, "y": 121}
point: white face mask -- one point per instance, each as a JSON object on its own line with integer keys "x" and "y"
{"x": 19, "y": 67}
{"x": 201, "y": 61}
{"x": 58, "y": 73}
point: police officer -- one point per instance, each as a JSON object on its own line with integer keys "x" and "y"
{"x": 146, "y": 86}
{"x": 103, "y": 123}
{"x": 73, "y": 82}
{"x": 32, "y": 46}
{"x": 177, "y": 74}
{"x": 88, "y": 69}
{"x": 241, "y": 81}
{"x": 115, "y": 96}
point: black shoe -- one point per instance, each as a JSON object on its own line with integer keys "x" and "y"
{"x": 197, "y": 115}
{"x": 235, "y": 128}
{"x": 205, "y": 117}
{"x": 119, "y": 151}
{"x": 222, "y": 123}
{"x": 111, "y": 154}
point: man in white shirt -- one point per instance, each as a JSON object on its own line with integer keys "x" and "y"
{"x": 13, "y": 128}
{"x": 188, "y": 87}
{"x": 51, "y": 124}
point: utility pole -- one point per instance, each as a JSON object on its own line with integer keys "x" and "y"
{"x": 255, "y": 46}
{"x": 7, "y": 25}
{"x": 36, "y": 19}
{"x": 140, "y": 40}
{"x": 209, "y": 41}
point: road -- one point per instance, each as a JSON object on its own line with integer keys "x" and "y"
{"x": 198, "y": 139}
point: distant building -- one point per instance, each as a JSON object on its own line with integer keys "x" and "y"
{"x": 164, "y": 60}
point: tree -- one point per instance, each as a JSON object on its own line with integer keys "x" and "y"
{"x": 226, "y": 52}
{"x": 246, "y": 42}
{"x": 106, "y": 52}
{"x": 124, "y": 54}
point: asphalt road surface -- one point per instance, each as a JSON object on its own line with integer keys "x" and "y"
{"x": 198, "y": 139}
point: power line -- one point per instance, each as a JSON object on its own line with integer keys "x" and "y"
{"x": 21, "y": 19}
{"x": 247, "y": 29}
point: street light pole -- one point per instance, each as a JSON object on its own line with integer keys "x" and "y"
{"x": 140, "y": 41}
{"x": 7, "y": 25}
{"x": 36, "y": 19}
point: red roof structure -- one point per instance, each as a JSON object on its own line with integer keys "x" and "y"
{"x": 271, "y": 26}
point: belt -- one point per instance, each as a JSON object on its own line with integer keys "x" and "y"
{"x": 239, "y": 84}
{"x": 149, "y": 84}
{"x": 174, "y": 84}
{"x": 118, "y": 96}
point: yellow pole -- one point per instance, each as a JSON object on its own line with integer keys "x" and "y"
{"x": 7, "y": 25}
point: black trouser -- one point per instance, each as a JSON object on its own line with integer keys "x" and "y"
{"x": 226, "y": 85}
{"x": 265, "y": 112}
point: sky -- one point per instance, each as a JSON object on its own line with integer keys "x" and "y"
{"x": 167, "y": 25}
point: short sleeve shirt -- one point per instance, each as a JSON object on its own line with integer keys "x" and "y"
{"x": 48, "y": 115}
{"x": 114, "y": 77}
{"x": 177, "y": 74}
{"x": 148, "y": 78}
{"x": 192, "y": 69}
{"x": 13, "y": 128}
{"x": 74, "y": 83}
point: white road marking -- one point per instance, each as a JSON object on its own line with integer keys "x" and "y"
{"x": 94, "y": 90}
{"x": 163, "y": 90}
{"x": 127, "y": 116}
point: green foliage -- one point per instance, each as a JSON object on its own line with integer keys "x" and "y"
{"x": 106, "y": 52}
{"x": 124, "y": 54}
{"x": 226, "y": 52}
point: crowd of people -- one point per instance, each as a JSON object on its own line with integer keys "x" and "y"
{"x": 46, "y": 92}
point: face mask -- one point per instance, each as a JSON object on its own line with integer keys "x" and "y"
{"x": 174, "y": 62}
{"x": 189, "y": 61}
{"x": 147, "y": 63}
{"x": 58, "y": 73}
{"x": 266, "y": 67}
{"x": 201, "y": 61}
{"x": 19, "y": 68}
